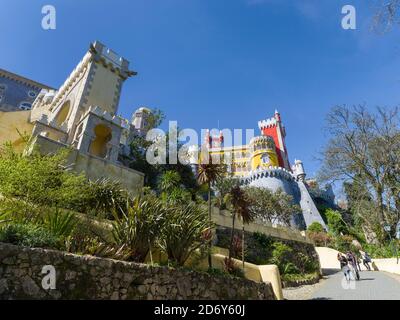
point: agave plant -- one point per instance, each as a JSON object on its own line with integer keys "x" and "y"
{"x": 61, "y": 224}
{"x": 186, "y": 230}
{"x": 105, "y": 196}
{"x": 138, "y": 226}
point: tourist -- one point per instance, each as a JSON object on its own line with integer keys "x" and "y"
{"x": 351, "y": 258}
{"x": 357, "y": 257}
{"x": 344, "y": 266}
{"x": 366, "y": 259}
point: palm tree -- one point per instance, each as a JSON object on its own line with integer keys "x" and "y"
{"x": 209, "y": 173}
{"x": 240, "y": 205}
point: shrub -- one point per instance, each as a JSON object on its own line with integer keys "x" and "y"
{"x": 343, "y": 243}
{"x": 306, "y": 264}
{"x": 19, "y": 211}
{"x": 230, "y": 266}
{"x": 282, "y": 256}
{"x": 139, "y": 226}
{"x": 300, "y": 277}
{"x": 315, "y": 227}
{"x": 102, "y": 197}
{"x": 59, "y": 223}
{"x": 321, "y": 239}
{"x": 185, "y": 231}
{"x": 380, "y": 251}
{"x": 336, "y": 224}
{"x": 29, "y": 235}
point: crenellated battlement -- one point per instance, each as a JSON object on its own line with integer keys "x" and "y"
{"x": 268, "y": 123}
{"x": 261, "y": 141}
{"x": 111, "y": 59}
{"x": 275, "y": 172}
{"x": 117, "y": 120}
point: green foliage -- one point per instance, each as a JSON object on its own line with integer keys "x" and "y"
{"x": 186, "y": 230}
{"x": 169, "y": 180}
{"x": 102, "y": 197}
{"x": 39, "y": 179}
{"x": 281, "y": 256}
{"x": 29, "y": 235}
{"x": 343, "y": 243}
{"x": 315, "y": 227}
{"x": 300, "y": 277}
{"x": 223, "y": 187}
{"x": 19, "y": 211}
{"x": 261, "y": 250}
{"x": 321, "y": 239}
{"x": 61, "y": 224}
{"x": 271, "y": 207}
{"x": 305, "y": 263}
{"x": 170, "y": 188}
{"x": 382, "y": 251}
{"x": 336, "y": 225}
{"x": 139, "y": 226}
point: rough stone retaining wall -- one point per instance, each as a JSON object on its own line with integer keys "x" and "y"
{"x": 87, "y": 277}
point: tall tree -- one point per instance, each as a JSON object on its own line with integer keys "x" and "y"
{"x": 209, "y": 173}
{"x": 240, "y": 207}
{"x": 363, "y": 149}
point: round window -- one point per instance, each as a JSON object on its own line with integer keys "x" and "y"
{"x": 32, "y": 94}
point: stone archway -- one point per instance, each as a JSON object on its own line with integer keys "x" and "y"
{"x": 103, "y": 135}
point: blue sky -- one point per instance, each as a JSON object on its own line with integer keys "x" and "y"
{"x": 204, "y": 61}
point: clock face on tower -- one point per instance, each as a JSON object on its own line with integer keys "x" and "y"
{"x": 265, "y": 158}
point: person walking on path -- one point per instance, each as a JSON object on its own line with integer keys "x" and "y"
{"x": 366, "y": 259}
{"x": 357, "y": 257}
{"x": 344, "y": 266}
{"x": 351, "y": 258}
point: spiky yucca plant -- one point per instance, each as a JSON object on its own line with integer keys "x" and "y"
{"x": 59, "y": 223}
{"x": 186, "y": 230}
{"x": 139, "y": 225}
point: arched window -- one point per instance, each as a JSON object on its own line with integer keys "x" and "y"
{"x": 63, "y": 113}
{"x": 103, "y": 135}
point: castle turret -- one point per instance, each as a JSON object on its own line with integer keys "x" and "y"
{"x": 298, "y": 170}
{"x": 273, "y": 127}
{"x": 140, "y": 120}
{"x": 262, "y": 153}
